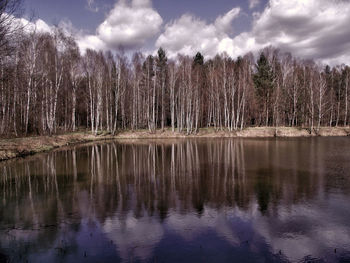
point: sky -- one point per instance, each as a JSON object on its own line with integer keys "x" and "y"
{"x": 309, "y": 29}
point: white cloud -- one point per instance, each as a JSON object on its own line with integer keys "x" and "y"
{"x": 90, "y": 42}
{"x": 189, "y": 34}
{"x": 224, "y": 23}
{"x": 91, "y": 5}
{"x": 39, "y": 26}
{"x": 129, "y": 25}
{"x": 84, "y": 41}
{"x": 239, "y": 45}
{"x": 134, "y": 237}
{"x": 315, "y": 29}
{"x": 253, "y": 3}
{"x": 310, "y": 29}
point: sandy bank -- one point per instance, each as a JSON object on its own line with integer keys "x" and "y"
{"x": 252, "y": 132}
{"x": 19, "y": 147}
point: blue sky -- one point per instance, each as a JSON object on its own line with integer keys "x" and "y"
{"x": 83, "y": 17}
{"x": 317, "y": 29}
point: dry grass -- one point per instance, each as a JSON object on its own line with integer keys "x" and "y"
{"x": 18, "y": 147}
{"x": 333, "y": 131}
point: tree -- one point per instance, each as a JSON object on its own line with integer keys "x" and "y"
{"x": 198, "y": 60}
{"x": 264, "y": 83}
{"x": 198, "y": 63}
{"x": 162, "y": 68}
{"x": 148, "y": 75}
{"x": 173, "y": 76}
{"x": 346, "y": 79}
{"x": 136, "y": 108}
{"x": 9, "y": 30}
{"x": 75, "y": 75}
{"x": 46, "y": 85}
{"x": 30, "y": 50}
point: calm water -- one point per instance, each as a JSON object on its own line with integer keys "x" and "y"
{"x": 217, "y": 200}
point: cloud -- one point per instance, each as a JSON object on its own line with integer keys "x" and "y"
{"x": 313, "y": 230}
{"x": 90, "y": 42}
{"x": 133, "y": 236}
{"x": 189, "y": 34}
{"x": 253, "y": 3}
{"x": 239, "y": 45}
{"x": 310, "y": 29}
{"x": 84, "y": 41}
{"x": 313, "y": 29}
{"x": 91, "y": 6}
{"x": 224, "y": 23}
{"x": 129, "y": 24}
{"x": 39, "y": 25}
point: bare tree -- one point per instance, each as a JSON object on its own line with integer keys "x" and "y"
{"x": 46, "y": 85}
{"x": 346, "y": 84}
{"x": 9, "y": 28}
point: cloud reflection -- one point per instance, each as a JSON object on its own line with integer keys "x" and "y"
{"x": 275, "y": 200}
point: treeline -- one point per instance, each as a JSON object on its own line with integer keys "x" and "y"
{"x": 47, "y": 86}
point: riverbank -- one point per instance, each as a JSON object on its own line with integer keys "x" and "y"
{"x": 20, "y": 147}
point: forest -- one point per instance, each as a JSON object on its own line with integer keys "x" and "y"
{"x": 48, "y": 86}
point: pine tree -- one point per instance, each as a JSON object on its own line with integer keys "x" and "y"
{"x": 264, "y": 83}
{"x": 198, "y": 59}
{"x": 162, "y": 69}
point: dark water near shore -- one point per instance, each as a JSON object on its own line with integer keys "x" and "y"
{"x": 196, "y": 200}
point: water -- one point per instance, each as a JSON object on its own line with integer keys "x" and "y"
{"x": 195, "y": 200}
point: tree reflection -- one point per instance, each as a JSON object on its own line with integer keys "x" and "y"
{"x": 157, "y": 176}
{"x": 131, "y": 188}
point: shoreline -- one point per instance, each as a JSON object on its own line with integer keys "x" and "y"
{"x": 21, "y": 147}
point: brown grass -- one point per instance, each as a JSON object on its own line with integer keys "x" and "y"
{"x": 19, "y": 147}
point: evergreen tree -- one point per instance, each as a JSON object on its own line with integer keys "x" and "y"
{"x": 198, "y": 59}
{"x": 162, "y": 72}
{"x": 264, "y": 83}
{"x": 162, "y": 58}
{"x": 263, "y": 78}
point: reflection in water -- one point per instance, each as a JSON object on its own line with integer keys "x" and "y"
{"x": 182, "y": 200}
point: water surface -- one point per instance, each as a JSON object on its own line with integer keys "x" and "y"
{"x": 194, "y": 200}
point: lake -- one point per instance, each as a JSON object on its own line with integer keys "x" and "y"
{"x": 184, "y": 200}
